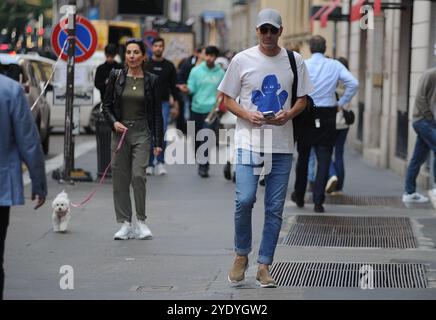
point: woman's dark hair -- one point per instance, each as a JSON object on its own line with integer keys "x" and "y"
{"x": 140, "y": 44}
{"x": 344, "y": 61}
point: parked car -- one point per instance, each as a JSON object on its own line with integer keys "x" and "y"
{"x": 27, "y": 69}
{"x": 88, "y": 101}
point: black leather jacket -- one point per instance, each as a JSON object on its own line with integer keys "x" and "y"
{"x": 111, "y": 107}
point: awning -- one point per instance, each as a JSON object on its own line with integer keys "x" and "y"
{"x": 355, "y": 10}
{"x": 325, "y": 15}
{"x": 317, "y": 14}
{"x": 377, "y": 7}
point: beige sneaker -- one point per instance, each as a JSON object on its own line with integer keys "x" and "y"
{"x": 240, "y": 265}
{"x": 264, "y": 279}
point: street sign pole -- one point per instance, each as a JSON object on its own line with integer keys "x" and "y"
{"x": 81, "y": 37}
{"x": 68, "y": 137}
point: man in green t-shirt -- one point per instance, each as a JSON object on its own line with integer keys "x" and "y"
{"x": 203, "y": 83}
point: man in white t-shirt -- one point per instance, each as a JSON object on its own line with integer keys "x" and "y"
{"x": 262, "y": 78}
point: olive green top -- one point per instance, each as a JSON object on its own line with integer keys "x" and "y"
{"x": 133, "y": 99}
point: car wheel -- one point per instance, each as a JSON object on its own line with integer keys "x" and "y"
{"x": 95, "y": 113}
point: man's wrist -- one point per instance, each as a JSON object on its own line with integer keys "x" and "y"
{"x": 245, "y": 115}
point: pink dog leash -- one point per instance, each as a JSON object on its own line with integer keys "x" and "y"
{"x": 91, "y": 195}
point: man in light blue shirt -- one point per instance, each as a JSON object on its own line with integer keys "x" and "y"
{"x": 325, "y": 74}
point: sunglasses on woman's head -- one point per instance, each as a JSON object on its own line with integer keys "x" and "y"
{"x": 264, "y": 29}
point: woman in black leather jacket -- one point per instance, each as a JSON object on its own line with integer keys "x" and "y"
{"x": 132, "y": 102}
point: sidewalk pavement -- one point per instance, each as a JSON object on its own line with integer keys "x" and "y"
{"x": 192, "y": 250}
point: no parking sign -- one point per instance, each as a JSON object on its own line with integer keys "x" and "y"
{"x": 86, "y": 39}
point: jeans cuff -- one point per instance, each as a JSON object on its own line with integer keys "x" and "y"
{"x": 409, "y": 190}
{"x": 265, "y": 260}
{"x": 242, "y": 252}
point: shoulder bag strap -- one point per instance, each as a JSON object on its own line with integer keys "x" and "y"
{"x": 295, "y": 72}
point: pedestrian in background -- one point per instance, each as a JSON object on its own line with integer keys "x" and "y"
{"x": 185, "y": 67}
{"x": 425, "y": 127}
{"x": 336, "y": 179}
{"x": 202, "y": 84}
{"x": 19, "y": 142}
{"x": 262, "y": 78}
{"x": 335, "y": 183}
{"x": 103, "y": 70}
{"x": 182, "y": 78}
{"x": 325, "y": 73}
{"x": 167, "y": 78}
{"x": 133, "y": 102}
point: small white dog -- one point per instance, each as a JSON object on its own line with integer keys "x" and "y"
{"x": 61, "y": 212}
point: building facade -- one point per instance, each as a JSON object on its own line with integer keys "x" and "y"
{"x": 389, "y": 59}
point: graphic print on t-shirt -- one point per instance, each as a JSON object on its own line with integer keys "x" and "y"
{"x": 267, "y": 99}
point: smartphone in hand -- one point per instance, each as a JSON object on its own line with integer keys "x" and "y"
{"x": 269, "y": 115}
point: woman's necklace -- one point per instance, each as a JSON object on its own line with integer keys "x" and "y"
{"x": 134, "y": 82}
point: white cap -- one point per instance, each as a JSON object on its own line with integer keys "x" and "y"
{"x": 269, "y": 16}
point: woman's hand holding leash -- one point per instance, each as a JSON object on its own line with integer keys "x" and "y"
{"x": 119, "y": 127}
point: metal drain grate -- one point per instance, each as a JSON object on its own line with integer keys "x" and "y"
{"x": 335, "y": 231}
{"x": 349, "y": 275}
{"x": 361, "y": 200}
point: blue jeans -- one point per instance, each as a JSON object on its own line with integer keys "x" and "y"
{"x": 187, "y": 106}
{"x": 311, "y": 171}
{"x": 165, "y": 115}
{"x": 337, "y": 167}
{"x": 323, "y": 157}
{"x": 276, "y": 186}
{"x": 425, "y": 141}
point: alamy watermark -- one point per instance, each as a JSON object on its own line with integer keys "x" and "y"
{"x": 366, "y": 273}
{"x": 66, "y": 281}
{"x": 179, "y": 151}
{"x": 367, "y": 21}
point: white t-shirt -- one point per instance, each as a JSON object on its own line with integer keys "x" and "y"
{"x": 264, "y": 83}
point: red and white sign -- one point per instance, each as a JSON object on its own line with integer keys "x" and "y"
{"x": 86, "y": 39}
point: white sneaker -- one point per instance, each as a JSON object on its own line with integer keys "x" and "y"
{"x": 331, "y": 184}
{"x": 414, "y": 197}
{"x": 160, "y": 169}
{"x": 432, "y": 192}
{"x": 142, "y": 231}
{"x": 125, "y": 232}
{"x": 149, "y": 171}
